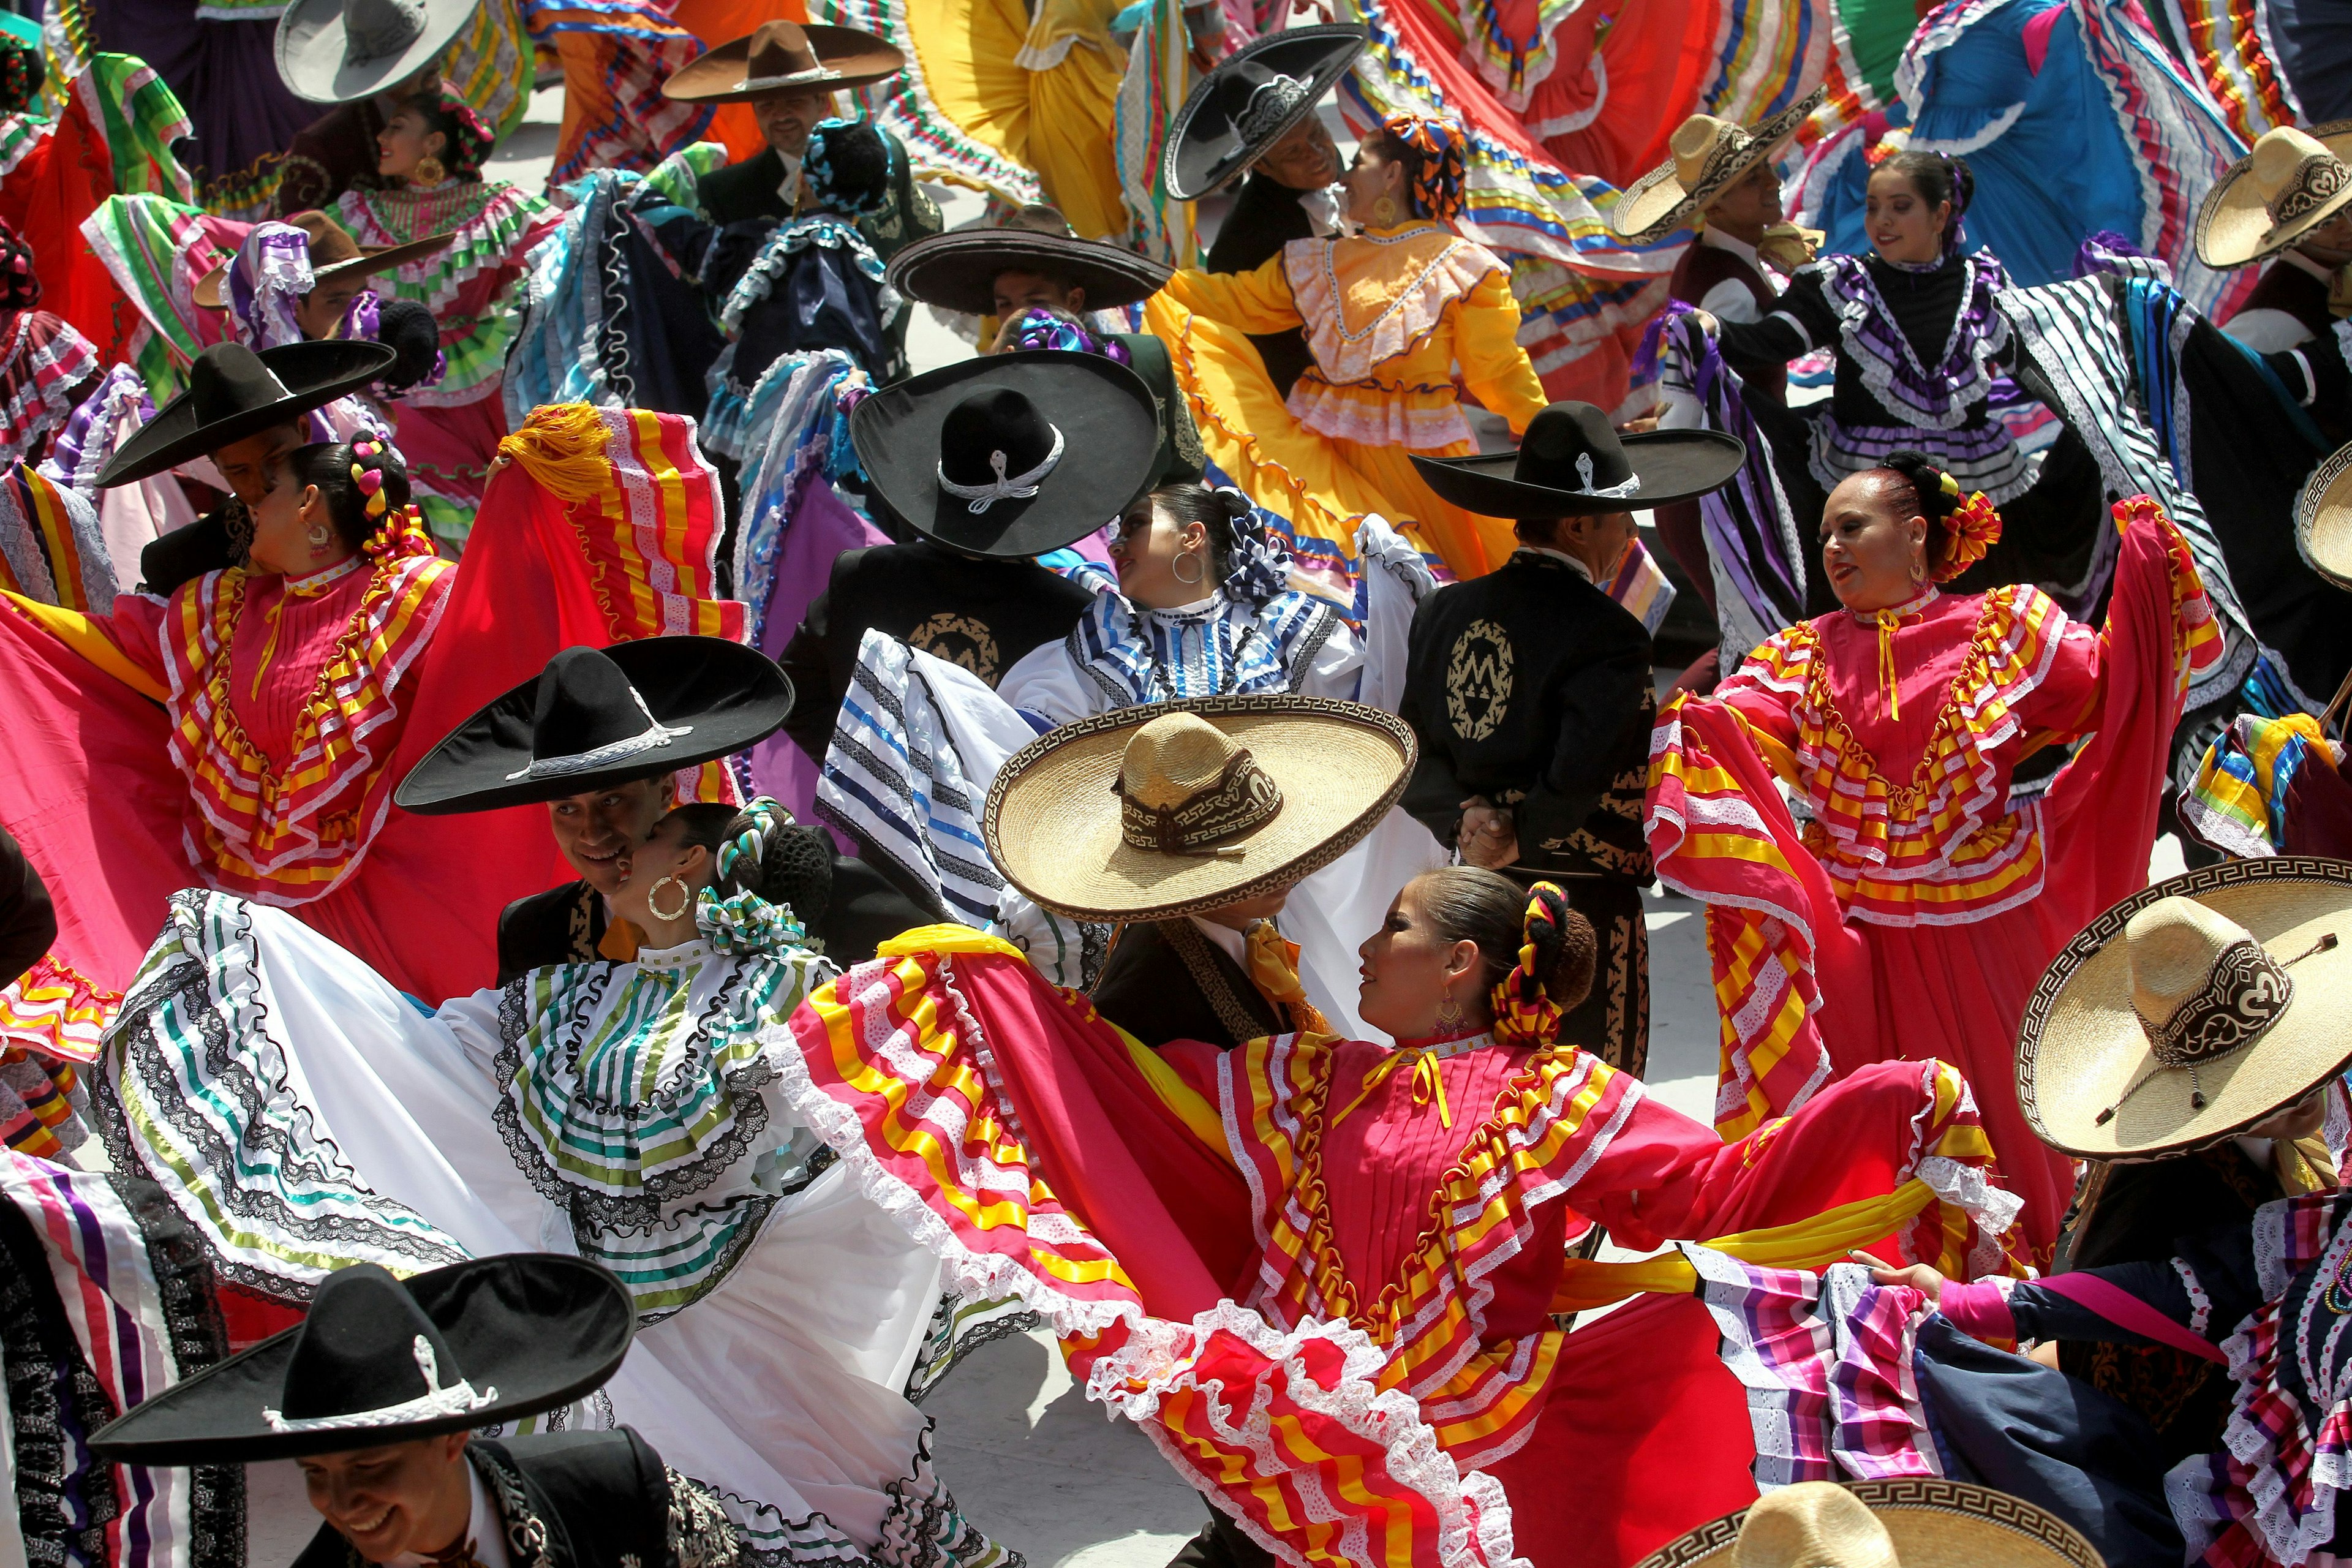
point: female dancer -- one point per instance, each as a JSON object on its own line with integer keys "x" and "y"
{"x": 245, "y": 730}
{"x": 430, "y": 162}
{"x": 1388, "y": 313}
{"x": 1360, "y": 1246}
{"x": 47, "y": 368}
{"x": 636, "y": 1124}
{"x": 1921, "y": 353}
{"x": 1908, "y": 918}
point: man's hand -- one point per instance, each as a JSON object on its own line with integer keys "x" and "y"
{"x": 1488, "y": 837}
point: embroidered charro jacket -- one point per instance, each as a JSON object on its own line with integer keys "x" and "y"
{"x": 583, "y": 1499}
{"x": 1531, "y": 687}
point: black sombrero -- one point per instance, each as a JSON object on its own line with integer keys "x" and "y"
{"x": 332, "y": 51}
{"x": 1570, "y": 463}
{"x": 233, "y": 392}
{"x": 598, "y": 716}
{"x": 378, "y": 1360}
{"x": 958, "y": 271}
{"x": 1243, "y": 107}
{"x": 1013, "y": 453}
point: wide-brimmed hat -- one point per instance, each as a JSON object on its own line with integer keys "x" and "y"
{"x": 234, "y": 391}
{"x": 378, "y": 1361}
{"x": 2322, "y": 518}
{"x": 1709, "y": 156}
{"x": 599, "y": 717}
{"x": 333, "y": 254}
{"x": 1168, "y": 809}
{"x": 1912, "y": 1521}
{"x": 958, "y": 271}
{"x": 781, "y": 56}
{"x": 1013, "y": 453}
{"x": 1244, "y": 107}
{"x": 332, "y": 51}
{"x": 2291, "y": 183}
{"x": 1572, "y": 463}
{"x": 2191, "y": 1010}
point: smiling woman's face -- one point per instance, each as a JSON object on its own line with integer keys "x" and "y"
{"x": 401, "y": 1498}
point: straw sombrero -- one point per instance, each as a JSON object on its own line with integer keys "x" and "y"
{"x": 2191, "y": 1010}
{"x": 333, "y": 254}
{"x": 1709, "y": 156}
{"x": 1913, "y": 1522}
{"x": 2291, "y": 183}
{"x": 1151, "y": 813}
{"x": 2323, "y": 518}
{"x": 781, "y": 57}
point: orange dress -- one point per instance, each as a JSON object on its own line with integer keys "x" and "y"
{"x": 1388, "y": 314}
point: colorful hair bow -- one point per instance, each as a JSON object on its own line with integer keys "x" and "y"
{"x": 1438, "y": 185}
{"x": 1525, "y": 1013}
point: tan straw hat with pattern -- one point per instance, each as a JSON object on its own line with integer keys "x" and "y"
{"x": 2323, "y": 518}
{"x": 2291, "y": 183}
{"x": 1915, "y": 1522}
{"x": 2191, "y": 1010}
{"x": 1710, "y": 156}
{"x": 1170, "y": 809}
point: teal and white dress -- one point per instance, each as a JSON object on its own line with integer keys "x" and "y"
{"x": 303, "y": 1115}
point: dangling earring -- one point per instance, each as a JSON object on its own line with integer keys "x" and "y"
{"x": 1176, "y": 569}
{"x": 319, "y": 535}
{"x": 1449, "y": 1014}
{"x": 428, "y": 172}
{"x": 685, "y": 896}
{"x": 1384, "y": 212}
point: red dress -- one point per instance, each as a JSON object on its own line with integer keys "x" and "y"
{"x": 1911, "y": 920}
{"x": 1327, "y": 1290}
{"x": 247, "y": 732}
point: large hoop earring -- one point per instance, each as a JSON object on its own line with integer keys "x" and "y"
{"x": 685, "y": 896}
{"x": 1199, "y": 568}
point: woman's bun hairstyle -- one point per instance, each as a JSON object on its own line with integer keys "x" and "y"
{"x": 1466, "y": 903}
{"x": 1961, "y": 527}
{"x": 1224, "y": 514}
{"x": 795, "y": 868}
{"x": 328, "y": 465}
{"x": 1926, "y": 497}
{"x": 408, "y": 330}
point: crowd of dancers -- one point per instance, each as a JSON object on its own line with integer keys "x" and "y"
{"x": 599, "y": 879}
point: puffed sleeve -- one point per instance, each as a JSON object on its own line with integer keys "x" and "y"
{"x": 1494, "y": 367}
{"x": 1258, "y": 301}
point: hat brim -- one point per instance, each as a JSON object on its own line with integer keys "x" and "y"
{"x": 1052, "y": 823}
{"x": 309, "y": 47}
{"x": 211, "y": 291}
{"x": 732, "y": 695}
{"x": 1203, "y": 149}
{"x": 541, "y": 1328}
{"x": 314, "y": 374}
{"x": 846, "y": 57}
{"x": 1673, "y": 465}
{"x": 2234, "y": 223}
{"x": 1110, "y": 433}
{"x": 2080, "y": 1045}
{"x": 1932, "y": 1523}
{"x": 1658, "y": 203}
{"x": 958, "y": 271}
{"x": 2323, "y": 518}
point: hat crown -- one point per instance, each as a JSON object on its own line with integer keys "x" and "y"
{"x": 379, "y": 29}
{"x": 1697, "y": 142}
{"x": 584, "y": 702}
{"x": 357, "y": 1348}
{"x": 1573, "y": 447}
{"x": 2294, "y": 172}
{"x": 330, "y": 242}
{"x": 1040, "y": 217}
{"x": 780, "y": 48}
{"x": 228, "y": 379}
{"x": 993, "y": 435}
{"x": 1813, "y": 1524}
{"x": 1186, "y": 787}
{"x": 2201, "y": 982}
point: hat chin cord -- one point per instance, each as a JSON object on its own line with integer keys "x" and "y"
{"x": 652, "y": 738}
{"x": 458, "y": 1399}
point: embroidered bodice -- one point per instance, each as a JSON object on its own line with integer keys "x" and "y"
{"x": 1122, "y": 655}
{"x": 1907, "y": 783}
{"x": 638, "y": 1097}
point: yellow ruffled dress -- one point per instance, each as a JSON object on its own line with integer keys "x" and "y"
{"x": 1389, "y": 315}
{"x": 1074, "y": 68}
